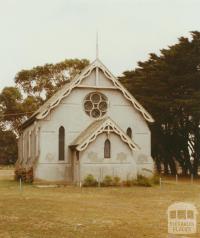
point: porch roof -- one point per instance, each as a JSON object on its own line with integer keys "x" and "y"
{"x": 97, "y": 127}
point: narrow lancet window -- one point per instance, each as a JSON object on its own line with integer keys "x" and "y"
{"x": 129, "y": 132}
{"x": 107, "y": 149}
{"x": 61, "y": 143}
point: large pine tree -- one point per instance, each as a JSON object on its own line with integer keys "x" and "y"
{"x": 169, "y": 87}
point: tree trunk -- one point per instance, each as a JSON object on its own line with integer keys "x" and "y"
{"x": 172, "y": 165}
{"x": 196, "y": 148}
{"x": 166, "y": 169}
{"x": 158, "y": 164}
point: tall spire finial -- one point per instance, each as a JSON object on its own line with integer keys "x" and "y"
{"x": 97, "y": 46}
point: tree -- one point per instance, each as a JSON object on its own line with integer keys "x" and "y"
{"x": 169, "y": 87}
{"x": 43, "y": 81}
{"x": 36, "y": 85}
{"x": 8, "y": 147}
{"x": 14, "y": 109}
{"x": 33, "y": 87}
{"x": 10, "y": 107}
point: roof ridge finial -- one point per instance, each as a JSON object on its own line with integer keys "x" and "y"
{"x": 97, "y": 45}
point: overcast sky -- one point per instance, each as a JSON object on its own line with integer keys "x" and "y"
{"x": 35, "y": 32}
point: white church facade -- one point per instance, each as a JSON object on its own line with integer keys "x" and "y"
{"x": 92, "y": 125}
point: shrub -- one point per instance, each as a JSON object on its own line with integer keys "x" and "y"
{"x": 116, "y": 181}
{"x": 29, "y": 176}
{"x": 130, "y": 182}
{"x": 127, "y": 183}
{"x": 25, "y": 175}
{"x": 134, "y": 182}
{"x": 20, "y": 173}
{"x": 155, "y": 179}
{"x": 90, "y": 181}
{"x": 144, "y": 181}
{"x": 107, "y": 181}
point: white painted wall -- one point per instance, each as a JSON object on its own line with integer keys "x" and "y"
{"x": 122, "y": 162}
{"x": 28, "y": 146}
{"x": 71, "y": 115}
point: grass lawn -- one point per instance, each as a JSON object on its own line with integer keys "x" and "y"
{"x": 90, "y": 212}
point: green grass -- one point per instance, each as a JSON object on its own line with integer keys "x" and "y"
{"x": 73, "y": 212}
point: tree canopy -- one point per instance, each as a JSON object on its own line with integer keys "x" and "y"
{"x": 43, "y": 81}
{"x": 33, "y": 87}
{"x": 168, "y": 85}
{"x": 8, "y": 147}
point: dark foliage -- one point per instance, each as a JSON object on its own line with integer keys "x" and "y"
{"x": 168, "y": 85}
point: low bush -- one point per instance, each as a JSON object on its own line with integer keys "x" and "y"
{"x": 144, "y": 181}
{"x": 134, "y": 182}
{"x": 140, "y": 181}
{"x": 116, "y": 181}
{"x": 127, "y": 183}
{"x": 25, "y": 175}
{"x": 155, "y": 179}
{"x": 29, "y": 176}
{"x": 107, "y": 181}
{"x": 90, "y": 181}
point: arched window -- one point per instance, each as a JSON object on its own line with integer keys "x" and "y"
{"x": 107, "y": 149}
{"x": 129, "y": 132}
{"x": 61, "y": 143}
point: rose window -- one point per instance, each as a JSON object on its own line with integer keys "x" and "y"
{"x": 96, "y": 104}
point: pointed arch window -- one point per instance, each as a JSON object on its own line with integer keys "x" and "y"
{"x": 61, "y": 142}
{"x": 107, "y": 149}
{"x": 129, "y": 132}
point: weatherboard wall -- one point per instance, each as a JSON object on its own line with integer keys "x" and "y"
{"x": 71, "y": 115}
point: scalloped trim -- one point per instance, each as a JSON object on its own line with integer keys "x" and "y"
{"x": 108, "y": 126}
{"x": 85, "y": 74}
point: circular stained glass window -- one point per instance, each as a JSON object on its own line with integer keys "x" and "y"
{"x": 96, "y": 104}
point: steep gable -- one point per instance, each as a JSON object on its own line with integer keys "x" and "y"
{"x": 98, "y": 127}
{"x": 86, "y": 79}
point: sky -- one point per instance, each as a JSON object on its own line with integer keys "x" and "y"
{"x": 35, "y": 32}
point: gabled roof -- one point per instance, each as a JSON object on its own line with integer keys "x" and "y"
{"x": 98, "y": 127}
{"x": 54, "y": 101}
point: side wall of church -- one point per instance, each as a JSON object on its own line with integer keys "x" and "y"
{"x": 29, "y": 146}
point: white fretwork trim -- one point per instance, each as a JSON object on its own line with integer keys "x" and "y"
{"x": 126, "y": 94}
{"x": 78, "y": 79}
{"x": 108, "y": 126}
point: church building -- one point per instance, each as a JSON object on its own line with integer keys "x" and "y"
{"x": 92, "y": 125}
